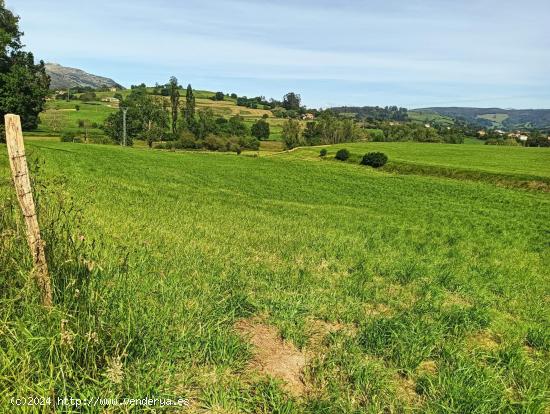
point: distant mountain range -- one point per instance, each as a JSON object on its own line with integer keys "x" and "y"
{"x": 63, "y": 77}
{"x": 495, "y": 117}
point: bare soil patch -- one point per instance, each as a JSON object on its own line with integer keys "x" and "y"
{"x": 272, "y": 355}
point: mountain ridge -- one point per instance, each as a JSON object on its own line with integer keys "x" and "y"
{"x": 64, "y": 77}
{"x": 494, "y": 117}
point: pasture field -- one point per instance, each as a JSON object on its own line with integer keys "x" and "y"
{"x": 60, "y": 116}
{"x": 507, "y": 165}
{"x": 497, "y": 119}
{"x": 424, "y": 117}
{"x": 392, "y": 292}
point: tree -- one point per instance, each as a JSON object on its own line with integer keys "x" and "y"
{"x": 205, "y": 124}
{"x": 174, "y": 102}
{"x": 311, "y": 134}
{"x": 145, "y": 113}
{"x": 236, "y": 126}
{"x": 218, "y": 96}
{"x": 291, "y": 101}
{"x": 189, "y": 111}
{"x": 260, "y": 129}
{"x": 153, "y": 134}
{"x": 24, "y": 85}
{"x": 292, "y": 134}
{"x": 536, "y": 139}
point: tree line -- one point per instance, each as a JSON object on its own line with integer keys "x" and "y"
{"x": 328, "y": 128}
{"x": 374, "y": 113}
{"x": 154, "y": 118}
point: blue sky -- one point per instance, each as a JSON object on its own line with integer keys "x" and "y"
{"x": 394, "y": 52}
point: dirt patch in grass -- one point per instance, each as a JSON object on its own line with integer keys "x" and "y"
{"x": 272, "y": 355}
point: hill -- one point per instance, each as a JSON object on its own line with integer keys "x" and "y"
{"x": 509, "y": 119}
{"x": 61, "y": 115}
{"x": 63, "y": 77}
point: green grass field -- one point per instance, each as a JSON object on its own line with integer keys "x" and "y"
{"x": 479, "y": 162}
{"x": 496, "y": 119}
{"x": 424, "y": 117}
{"x": 62, "y": 116}
{"x": 402, "y": 292}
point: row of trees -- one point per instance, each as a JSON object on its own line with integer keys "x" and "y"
{"x": 418, "y": 132}
{"x": 374, "y": 113}
{"x": 153, "y": 117}
{"x": 328, "y": 128}
{"x": 291, "y": 102}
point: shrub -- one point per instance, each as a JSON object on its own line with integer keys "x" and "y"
{"x": 374, "y": 159}
{"x": 250, "y": 143}
{"x": 323, "y": 152}
{"x": 68, "y": 136}
{"x": 342, "y": 154}
{"x": 214, "y": 143}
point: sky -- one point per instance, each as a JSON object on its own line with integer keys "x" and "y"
{"x": 483, "y": 53}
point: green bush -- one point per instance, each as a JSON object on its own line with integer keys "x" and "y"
{"x": 374, "y": 159}
{"x": 342, "y": 154}
{"x": 323, "y": 152}
{"x": 69, "y": 136}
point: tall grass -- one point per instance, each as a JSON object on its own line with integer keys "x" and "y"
{"x": 439, "y": 283}
{"x": 78, "y": 345}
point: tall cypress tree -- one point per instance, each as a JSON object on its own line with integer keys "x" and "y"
{"x": 189, "y": 111}
{"x": 174, "y": 102}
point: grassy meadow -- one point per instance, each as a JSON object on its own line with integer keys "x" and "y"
{"x": 403, "y": 292}
{"x": 509, "y": 166}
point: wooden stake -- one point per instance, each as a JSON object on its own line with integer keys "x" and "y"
{"x": 22, "y": 183}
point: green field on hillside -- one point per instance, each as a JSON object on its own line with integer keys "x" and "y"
{"x": 398, "y": 292}
{"x": 425, "y": 117}
{"x": 62, "y": 116}
{"x": 497, "y": 119}
{"x": 474, "y": 161}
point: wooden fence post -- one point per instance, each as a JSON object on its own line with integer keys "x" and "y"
{"x": 22, "y": 183}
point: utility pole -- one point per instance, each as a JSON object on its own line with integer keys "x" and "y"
{"x": 124, "y": 110}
